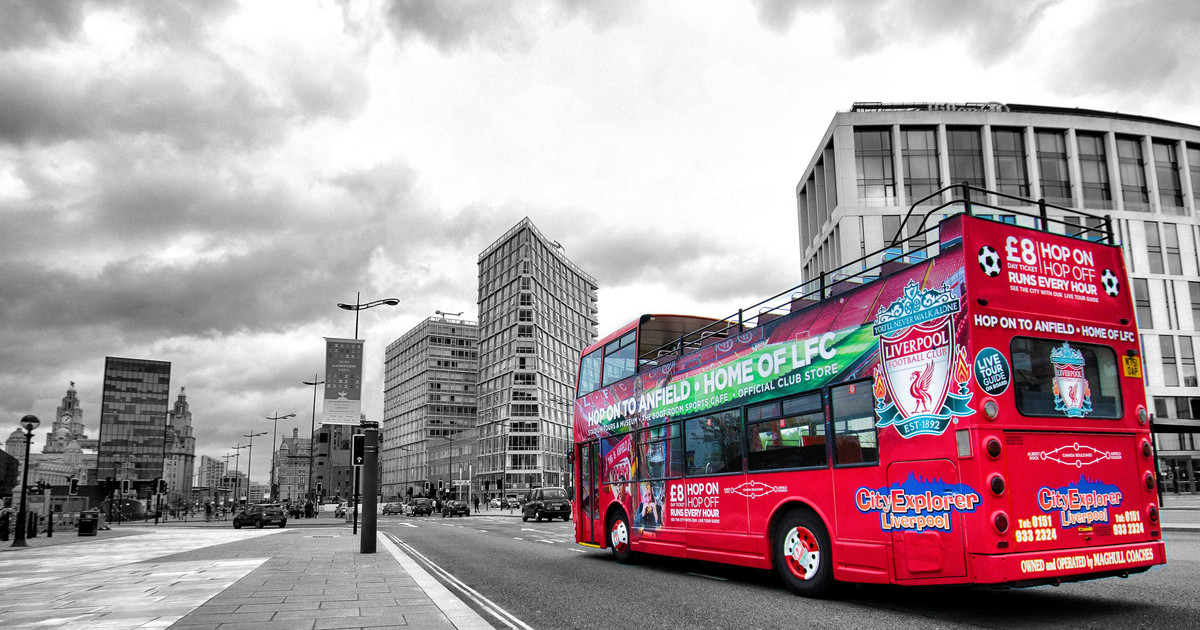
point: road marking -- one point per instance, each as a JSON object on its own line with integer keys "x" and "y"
{"x": 517, "y": 538}
{"x": 491, "y": 607}
{"x": 579, "y": 550}
{"x": 406, "y": 524}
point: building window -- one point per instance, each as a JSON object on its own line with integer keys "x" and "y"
{"x": 1052, "y": 166}
{"x": 1133, "y": 174}
{"x": 1093, "y": 169}
{"x": 1174, "y": 260}
{"x": 1194, "y": 290}
{"x": 1193, "y": 155}
{"x": 1187, "y": 361}
{"x": 891, "y": 230}
{"x": 1166, "y": 167}
{"x": 922, "y": 176}
{"x": 1166, "y": 344}
{"x": 1153, "y": 247}
{"x": 873, "y": 158}
{"x": 965, "y": 152}
{"x": 1141, "y": 303}
{"x": 1012, "y": 178}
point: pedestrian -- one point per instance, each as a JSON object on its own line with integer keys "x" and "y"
{"x": 208, "y": 512}
{"x": 476, "y": 505}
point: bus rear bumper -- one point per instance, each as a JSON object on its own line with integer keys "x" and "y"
{"x": 1068, "y": 565}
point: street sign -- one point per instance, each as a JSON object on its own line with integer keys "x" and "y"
{"x": 462, "y": 482}
{"x": 358, "y": 449}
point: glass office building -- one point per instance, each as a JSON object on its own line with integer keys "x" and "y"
{"x": 537, "y": 311}
{"x": 133, "y": 420}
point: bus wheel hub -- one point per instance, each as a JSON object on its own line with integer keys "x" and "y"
{"x": 802, "y": 553}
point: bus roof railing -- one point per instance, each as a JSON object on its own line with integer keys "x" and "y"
{"x": 897, "y": 254}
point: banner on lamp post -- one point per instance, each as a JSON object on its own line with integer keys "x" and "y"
{"x": 343, "y": 381}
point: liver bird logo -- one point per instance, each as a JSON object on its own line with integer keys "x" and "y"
{"x": 921, "y": 379}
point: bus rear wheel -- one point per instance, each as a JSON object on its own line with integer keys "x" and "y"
{"x": 618, "y": 538}
{"x": 803, "y": 554}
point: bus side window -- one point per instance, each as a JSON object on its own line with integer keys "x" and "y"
{"x": 854, "y": 440}
{"x": 786, "y": 434}
{"x": 713, "y": 443}
{"x": 589, "y": 372}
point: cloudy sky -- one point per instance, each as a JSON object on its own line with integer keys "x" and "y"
{"x": 201, "y": 182}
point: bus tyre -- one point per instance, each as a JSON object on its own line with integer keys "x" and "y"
{"x": 618, "y": 538}
{"x": 803, "y": 554}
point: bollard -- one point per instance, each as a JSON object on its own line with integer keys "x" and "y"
{"x": 50, "y": 527}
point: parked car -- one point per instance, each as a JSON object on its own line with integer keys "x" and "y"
{"x": 494, "y": 502}
{"x": 341, "y": 509}
{"x": 422, "y": 506}
{"x": 259, "y": 515}
{"x": 454, "y": 507}
{"x": 548, "y": 503}
{"x": 393, "y": 508}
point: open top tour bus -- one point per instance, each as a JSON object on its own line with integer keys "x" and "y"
{"x": 973, "y": 412}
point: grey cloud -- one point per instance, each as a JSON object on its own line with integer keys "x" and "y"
{"x": 992, "y": 30}
{"x": 500, "y": 25}
{"x": 1125, "y": 48}
{"x": 32, "y": 24}
{"x": 270, "y": 289}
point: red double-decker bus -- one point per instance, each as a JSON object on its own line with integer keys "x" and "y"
{"x": 970, "y": 410}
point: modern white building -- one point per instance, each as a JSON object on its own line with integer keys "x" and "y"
{"x": 877, "y": 159}
{"x": 537, "y": 311}
{"x": 429, "y": 404}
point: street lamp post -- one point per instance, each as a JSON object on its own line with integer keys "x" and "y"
{"x": 370, "y": 442}
{"x": 237, "y": 469}
{"x": 312, "y": 439}
{"x": 29, "y": 423}
{"x": 359, "y": 306}
{"x": 275, "y": 450}
{"x": 250, "y": 461}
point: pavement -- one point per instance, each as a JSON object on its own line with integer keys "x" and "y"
{"x": 198, "y": 575}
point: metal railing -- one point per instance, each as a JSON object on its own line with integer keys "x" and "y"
{"x": 859, "y": 271}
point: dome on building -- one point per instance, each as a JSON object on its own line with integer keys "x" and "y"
{"x": 16, "y": 435}
{"x": 74, "y": 447}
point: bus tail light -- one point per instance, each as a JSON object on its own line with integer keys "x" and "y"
{"x": 1000, "y": 521}
{"x": 1152, "y": 514}
{"x": 1141, "y": 414}
{"x": 992, "y": 447}
{"x": 1149, "y": 481}
{"x": 991, "y": 408}
{"x": 1146, "y": 450}
{"x": 996, "y": 483}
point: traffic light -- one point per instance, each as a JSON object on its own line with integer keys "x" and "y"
{"x": 73, "y": 486}
{"x": 318, "y": 488}
{"x": 499, "y": 485}
{"x": 487, "y": 485}
{"x": 427, "y": 486}
{"x": 160, "y": 486}
{"x": 126, "y": 486}
{"x": 358, "y": 446}
{"x": 439, "y": 485}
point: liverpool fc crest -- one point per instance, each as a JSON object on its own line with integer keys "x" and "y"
{"x": 921, "y": 379}
{"x": 1072, "y": 394}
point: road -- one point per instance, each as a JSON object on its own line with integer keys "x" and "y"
{"x": 536, "y": 573}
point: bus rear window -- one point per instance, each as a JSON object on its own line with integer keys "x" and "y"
{"x": 589, "y": 372}
{"x": 1064, "y": 379}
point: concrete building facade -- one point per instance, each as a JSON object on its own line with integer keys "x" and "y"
{"x": 877, "y": 159}
{"x": 291, "y": 468}
{"x": 429, "y": 404}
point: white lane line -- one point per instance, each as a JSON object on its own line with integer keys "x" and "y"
{"x": 459, "y": 614}
{"x": 501, "y": 614}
